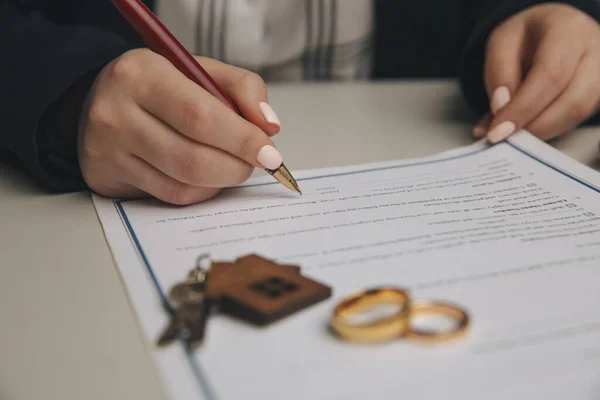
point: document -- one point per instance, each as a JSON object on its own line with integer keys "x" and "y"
{"x": 510, "y": 231}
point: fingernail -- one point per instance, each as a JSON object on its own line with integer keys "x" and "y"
{"x": 269, "y": 157}
{"x": 501, "y": 132}
{"x": 479, "y": 131}
{"x": 500, "y": 98}
{"x": 268, "y": 113}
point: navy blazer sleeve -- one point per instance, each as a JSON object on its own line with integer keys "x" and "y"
{"x": 41, "y": 61}
{"x": 486, "y": 15}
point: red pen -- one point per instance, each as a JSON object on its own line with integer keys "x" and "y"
{"x": 158, "y": 39}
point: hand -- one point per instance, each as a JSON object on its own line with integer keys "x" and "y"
{"x": 147, "y": 130}
{"x": 542, "y": 73}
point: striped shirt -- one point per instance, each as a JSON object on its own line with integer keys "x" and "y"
{"x": 282, "y": 40}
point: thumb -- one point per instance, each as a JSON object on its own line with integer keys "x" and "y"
{"x": 503, "y": 64}
{"x": 247, "y": 90}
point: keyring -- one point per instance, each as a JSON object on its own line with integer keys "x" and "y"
{"x": 392, "y": 327}
{"x": 426, "y": 307}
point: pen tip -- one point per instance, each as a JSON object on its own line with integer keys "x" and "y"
{"x": 283, "y": 175}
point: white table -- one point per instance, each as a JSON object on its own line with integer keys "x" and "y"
{"x": 67, "y": 329}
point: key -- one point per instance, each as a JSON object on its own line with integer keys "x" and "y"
{"x": 192, "y": 289}
{"x": 252, "y": 288}
{"x": 187, "y": 293}
{"x": 188, "y": 324}
{"x": 190, "y": 309}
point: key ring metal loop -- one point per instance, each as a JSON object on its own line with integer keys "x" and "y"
{"x": 192, "y": 290}
{"x": 198, "y": 274}
{"x": 387, "y": 328}
{"x": 203, "y": 257}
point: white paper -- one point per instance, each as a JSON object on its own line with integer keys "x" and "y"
{"x": 511, "y": 232}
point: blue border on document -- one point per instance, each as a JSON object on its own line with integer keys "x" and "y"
{"x": 196, "y": 367}
{"x": 194, "y": 363}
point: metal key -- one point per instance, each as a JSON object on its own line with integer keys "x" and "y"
{"x": 251, "y": 288}
{"x": 191, "y": 309}
{"x": 188, "y": 324}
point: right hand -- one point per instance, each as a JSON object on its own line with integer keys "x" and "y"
{"x": 147, "y": 130}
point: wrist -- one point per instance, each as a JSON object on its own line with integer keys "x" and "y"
{"x": 64, "y": 113}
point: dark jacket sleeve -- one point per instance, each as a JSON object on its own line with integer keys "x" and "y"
{"x": 46, "y": 70}
{"x": 484, "y": 19}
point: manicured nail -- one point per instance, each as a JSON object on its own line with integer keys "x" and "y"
{"x": 500, "y": 98}
{"x": 269, "y": 157}
{"x": 479, "y": 131}
{"x": 501, "y": 132}
{"x": 268, "y": 113}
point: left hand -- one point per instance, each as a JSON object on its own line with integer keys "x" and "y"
{"x": 542, "y": 73}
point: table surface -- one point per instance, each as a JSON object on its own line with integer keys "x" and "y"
{"x": 68, "y": 330}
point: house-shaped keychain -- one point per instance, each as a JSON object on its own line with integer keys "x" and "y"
{"x": 261, "y": 291}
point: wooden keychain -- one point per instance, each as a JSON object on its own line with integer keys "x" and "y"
{"x": 252, "y": 288}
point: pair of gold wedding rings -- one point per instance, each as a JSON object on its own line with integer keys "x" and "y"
{"x": 399, "y": 324}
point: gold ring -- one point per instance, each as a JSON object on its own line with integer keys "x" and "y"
{"x": 391, "y": 327}
{"x": 424, "y": 307}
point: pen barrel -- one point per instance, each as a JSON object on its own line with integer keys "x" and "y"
{"x": 158, "y": 38}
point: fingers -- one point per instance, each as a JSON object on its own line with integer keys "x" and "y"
{"x": 247, "y": 90}
{"x": 104, "y": 178}
{"x": 148, "y": 130}
{"x": 183, "y": 159}
{"x": 153, "y": 182}
{"x": 553, "y": 67}
{"x": 481, "y": 127}
{"x": 503, "y": 65}
{"x": 577, "y": 103}
{"x": 201, "y": 117}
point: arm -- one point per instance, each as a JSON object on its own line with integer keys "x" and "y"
{"x": 145, "y": 129}
{"x": 484, "y": 18}
{"x": 46, "y": 72}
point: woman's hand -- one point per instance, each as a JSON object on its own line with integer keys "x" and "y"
{"x": 542, "y": 73}
{"x": 148, "y": 130}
